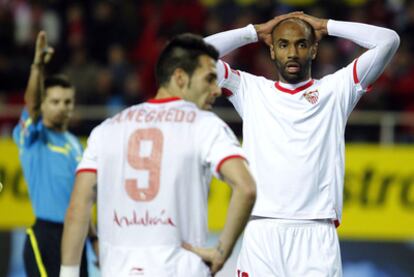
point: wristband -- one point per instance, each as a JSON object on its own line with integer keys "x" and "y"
{"x": 69, "y": 270}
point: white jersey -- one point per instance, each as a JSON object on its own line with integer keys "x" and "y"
{"x": 294, "y": 139}
{"x": 154, "y": 163}
{"x": 293, "y": 135}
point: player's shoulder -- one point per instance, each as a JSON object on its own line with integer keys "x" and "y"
{"x": 209, "y": 118}
{"x": 328, "y": 81}
{"x": 254, "y": 79}
{"x": 121, "y": 115}
{"x": 337, "y": 76}
{"x": 72, "y": 136}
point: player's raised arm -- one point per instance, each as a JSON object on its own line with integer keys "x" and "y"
{"x": 236, "y": 173}
{"x": 77, "y": 223}
{"x": 33, "y": 93}
{"x": 228, "y": 41}
{"x": 381, "y": 43}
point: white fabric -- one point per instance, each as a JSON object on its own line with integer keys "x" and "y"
{"x": 228, "y": 41}
{"x": 158, "y": 261}
{"x": 69, "y": 271}
{"x": 295, "y": 142}
{"x": 280, "y": 248}
{"x": 296, "y": 147}
{"x": 191, "y": 145}
{"x": 382, "y": 42}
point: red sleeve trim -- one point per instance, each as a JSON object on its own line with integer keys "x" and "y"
{"x": 226, "y": 71}
{"x": 228, "y": 158}
{"x": 226, "y": 92}
{"x": 356, "y": 80}
{"x": 337, "y": 223}
{"x": 93, "y": 170}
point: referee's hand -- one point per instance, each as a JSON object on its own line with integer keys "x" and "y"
{"x": 43, "y": 52}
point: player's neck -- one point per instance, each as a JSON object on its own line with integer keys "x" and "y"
{"x": 166, "y": 93}
{"x": 59, "y": 128}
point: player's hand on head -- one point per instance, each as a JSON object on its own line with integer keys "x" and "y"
{"x": 319, "y": 24}
{"x": 264, "y": 30}
{"x": 212, "y": 257}
{"x": 43, "y": 52}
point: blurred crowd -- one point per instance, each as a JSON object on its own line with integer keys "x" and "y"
{"x": 109, "y": 48}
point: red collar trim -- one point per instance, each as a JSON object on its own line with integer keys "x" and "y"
{"x": 163, "y": 100}
{"x": 296, "y": 90}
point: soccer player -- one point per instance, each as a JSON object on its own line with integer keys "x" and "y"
{"x": 151, "y": 165}
{"x": 293, "y": 136}
{"x": 49, "y": 155}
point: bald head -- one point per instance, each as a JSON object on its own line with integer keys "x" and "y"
{"x": 295, "y": 23}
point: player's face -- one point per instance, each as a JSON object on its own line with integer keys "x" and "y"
{"x": 57, "y": 107}
{"x": 292, "y": 52}
{"x": 202, "y": 88}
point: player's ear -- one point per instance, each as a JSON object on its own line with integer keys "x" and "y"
{"x": 180, "y": 78}
{"x": 314, "y": 50}
{"x": 272, "y": 52}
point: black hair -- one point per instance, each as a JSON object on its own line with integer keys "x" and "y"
{"x": 183, "y": 51}
{"x": 58, "y": 80}
{"x": 311, "y": 30}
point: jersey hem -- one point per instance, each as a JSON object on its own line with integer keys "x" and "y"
{"x": 228, "y": 158}
{"x": 93, "y": 170}
{"x": 297, "y": 215}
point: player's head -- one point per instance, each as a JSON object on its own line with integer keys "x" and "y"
{"x": 294, "y": 47}
{"x": 187, "y": 68}
{"x": 58, "y": 102}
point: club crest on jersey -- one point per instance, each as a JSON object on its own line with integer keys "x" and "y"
{"x": 312, "y": 96}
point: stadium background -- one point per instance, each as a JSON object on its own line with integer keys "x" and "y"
{"x": 109, "y": 48}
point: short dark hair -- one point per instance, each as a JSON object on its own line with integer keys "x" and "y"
{"x": 58, "y": 80}
{"x": 311, "y": 30}
{"x": 183, "y": 51}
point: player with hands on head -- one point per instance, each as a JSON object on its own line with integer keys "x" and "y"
{"x": 293, "y": 135}
{"x": 151, "y": 165}
{"x": 49, "y": 155}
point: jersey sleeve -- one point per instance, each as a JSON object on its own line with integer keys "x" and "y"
{"x": 346, "y": 88}
{"x": 381, "y": 43}
{"x": 26, "y": 131}
{"x": 228, "y": 41}
{"x": 238, "y": 86}
{"x": 229, "y": 80}
{"x": 218, "y": 144}
{"x": 90, "y": 156}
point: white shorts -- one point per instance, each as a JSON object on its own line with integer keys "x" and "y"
{"x": 289, "y": 248}
{"x": 151, "y": 262}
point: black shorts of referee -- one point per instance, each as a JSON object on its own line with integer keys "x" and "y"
{"x": 42, "y": 250}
